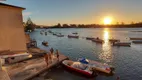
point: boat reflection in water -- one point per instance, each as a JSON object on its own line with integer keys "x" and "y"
{"x": 106, "y": 54}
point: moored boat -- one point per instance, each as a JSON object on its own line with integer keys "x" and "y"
{"x": 127, "y": 44}
{"x": 89, "y": 38}
{"x": 137, "y": 42}
{"x": 114, "y": 40}
{"x": 45, "y": 43}
{"x": 45, "y": 33}
{"x": 135, "y": 38}
{"x": 60, "y": 35}
{"x": 54, "y": 34}
{"x": 79, "y": 68}
{"x": 101, "y": 67}
{"x": 50, "y": 31}
{"x": 73, "y": 36}
{"x": 75, "y": 33}
{"x": 98, "y": 40}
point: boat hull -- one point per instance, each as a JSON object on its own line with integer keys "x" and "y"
{"x": 135, "y": 38}
{"x": 89, "y": 38}
{"x": 98, "y": 41}
{"x": 122, "y": 44}
{"x": 70, "y": 36}
{"x": 137, "y": 42}
{"x": 82, "y": 72}
{"x": 98, "y": 67}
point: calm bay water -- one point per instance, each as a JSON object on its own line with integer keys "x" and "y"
{"x": 126, "y": 60}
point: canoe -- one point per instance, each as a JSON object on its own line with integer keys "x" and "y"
{"x": 98, "y": 41}
{"x": 79, "y": 68}
{"x": 45, "y": 43}
{"x": 137, "y": 42}
{"x": 127, "y": 44}
{"x": 89, "y": 38}
{"x": 101, "y": 67}
{"x": 135, "y": 38}
{"x": 114, "y": 40}
{"x": 72, "y": 36}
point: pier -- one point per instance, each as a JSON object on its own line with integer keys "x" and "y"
{"x": 28, "y": 69}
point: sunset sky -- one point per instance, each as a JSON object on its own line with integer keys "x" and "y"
{"x": 50, "y": 12}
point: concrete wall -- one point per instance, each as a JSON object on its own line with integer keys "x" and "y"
{"x": 12, "y": 36}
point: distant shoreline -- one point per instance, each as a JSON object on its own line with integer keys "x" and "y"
{"x": 83, "y": 27}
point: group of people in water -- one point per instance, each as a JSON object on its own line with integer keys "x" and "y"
{"x": 49, "y": 57}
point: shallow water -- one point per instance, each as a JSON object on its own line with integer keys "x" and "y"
{"x": 126, "y": 60}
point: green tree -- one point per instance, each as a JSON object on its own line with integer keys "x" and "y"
{"x": 29, "y": 25}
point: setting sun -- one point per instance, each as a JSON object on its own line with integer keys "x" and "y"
{"x": 107, "y": 20}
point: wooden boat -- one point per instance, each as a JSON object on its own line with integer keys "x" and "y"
{"x": 114, "y": 40}
{"x": 72, "y": 36}
{"x": 98, "y": 40}
{"x": 127, "y": 44}
{"x": 85, "y": 70}
{"x": 89, "y": 38}
{"x": 137, "y": 42}
{"x": 45, "y": 43}
{"x": 101, "y": 67}
{"x": 135, "y": 38}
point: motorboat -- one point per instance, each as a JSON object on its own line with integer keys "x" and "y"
{"x": 98, "y": 66}
{"x": 78, "y": 67}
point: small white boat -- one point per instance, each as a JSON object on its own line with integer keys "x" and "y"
{"x": 78, "y": 67}
{"x": 102, "y": 67}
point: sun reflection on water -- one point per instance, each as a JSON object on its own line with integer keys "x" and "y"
{"x": 106, "y": 53}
